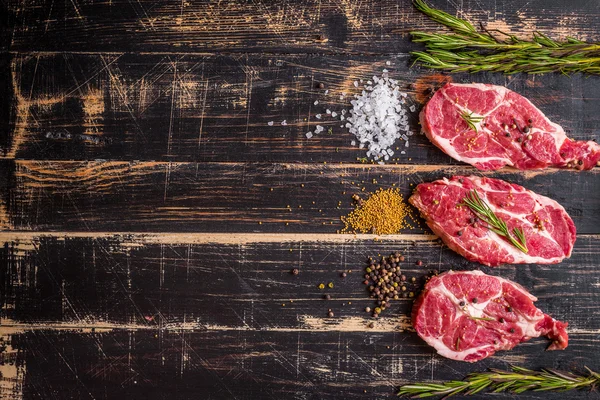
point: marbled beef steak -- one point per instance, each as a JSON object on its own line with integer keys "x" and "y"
{"x": 509, "y": 130}
{"x": 548, "y": 229}
{"x": 468, "y": 316}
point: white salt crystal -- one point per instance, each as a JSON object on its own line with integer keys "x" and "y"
{"x": 318, "y": 129}
{"x": 284, "y": 122}
{"x": 328, "y": 111}
{"x": 333, "y": 114}
{"x": 309, "y": 135}
{"x": 412, "y": 108}
{"x": 353, "y": 143}
{"x": 316, "y": 102}
{"x": 270, "y": 123}
{"x": 388, "y": 63}
{"x": 318, "y": 116}
{"x": 341, "y": 117}
{"x": 355, "y": 83}
{"x": 406, "y": 144}
{"x": 402, "y": 152}
{"x": 327, "y": 91}
{"x": 343, "y": 112}
{"x": 385, "y": 71}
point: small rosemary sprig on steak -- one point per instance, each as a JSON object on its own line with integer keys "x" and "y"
{"x": 517, "y": 380}
{"x": 467, "y": 50}
{"x": 471, "y": 120}
{"x": 495, "y": 224}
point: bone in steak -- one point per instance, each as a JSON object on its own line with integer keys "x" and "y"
{"x": 548, "y": 229}
{"x": 468, "y": 316}
{"x": 512, "y": 131}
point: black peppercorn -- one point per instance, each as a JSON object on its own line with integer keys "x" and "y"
{"x": 462, "y": 304}
{"x": 474, "y": 301}
{"x": 295, "y": 271}
{"x": 526, "y": 129}
{"x": 512, "y": 330}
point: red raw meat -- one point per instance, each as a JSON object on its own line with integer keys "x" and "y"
{"x": 548, "y": 229}
{"x": 468, "y": 316}
{"x": 512, "y": 132}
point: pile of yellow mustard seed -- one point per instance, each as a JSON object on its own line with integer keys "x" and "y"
{"x": 383, "y": 213}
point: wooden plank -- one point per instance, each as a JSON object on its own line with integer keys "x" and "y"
{"x": 251, "y": 365}
{"x": 217, "y": 108}
{"x": 313, "y": 26}
{"x": 189, "y": 282}
{"x": 236, "y": 197}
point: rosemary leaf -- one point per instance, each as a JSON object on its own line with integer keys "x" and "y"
{"x": 495, "y": 224}
{"x": 465, "y": 49}
{"x": 517, "y": 380}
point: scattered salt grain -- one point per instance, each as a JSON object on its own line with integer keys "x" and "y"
{"x": 334, "y": 114}
{"x": 402, "y": 152}
{"x": 328, "y": 111}
{"x": 318, "y": 116}
{"x": 316, "y": 102}
{"x": 284, "y": 122}
{"x": 341, "y": 117}
{"x": 270, "y": 123}
{"x": 355, "y": 83}
{"x": 388, "y": 63}
{"x": 353, "y": 143}
{"x": 412, "y": 108}
{"x": 343, "y": 112}
{"x": 309, "y": 135}
{"x": 327, "y": 91}
{"x": 319, "y": 129}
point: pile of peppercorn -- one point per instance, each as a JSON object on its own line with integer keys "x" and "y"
{"x": 386, "y": 282}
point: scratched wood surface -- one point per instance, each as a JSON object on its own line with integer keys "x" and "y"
{"x": 150, "y": 216}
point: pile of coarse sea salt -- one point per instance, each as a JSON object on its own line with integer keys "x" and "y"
{"x": 378, "y": 117}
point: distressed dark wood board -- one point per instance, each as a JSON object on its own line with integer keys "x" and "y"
{"x": 379, "y": 26}
{"x": 245, "y": 282}
{"x": 179, "y": 107}
{"x": 158, "y": 364}
{"x": 236, "y": 197}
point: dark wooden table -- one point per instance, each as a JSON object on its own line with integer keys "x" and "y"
{"x": 146, "y": 237}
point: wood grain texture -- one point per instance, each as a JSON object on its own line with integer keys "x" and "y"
{"x": 124, "y": 314}
{"x": 379, "y": 26}
{"x": 236, "y": 197}
{"x": 186, "y": 284}
{"x": 149, "y": 215}
{"x": 217, "y": 108}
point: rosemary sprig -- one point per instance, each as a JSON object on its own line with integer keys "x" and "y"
{"x": 471, "y": 120}
{"x": 495, "y": 224}
{"x": 467, "y": 50}
{"x": 517, "y": 380}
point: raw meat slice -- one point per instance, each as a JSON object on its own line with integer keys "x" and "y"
{"x": 512, "y": 131}
{"x": 468, "y": 316}
{"x": 548, "y": 229}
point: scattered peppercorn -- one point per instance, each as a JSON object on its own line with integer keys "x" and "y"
{"x": 343, "y": 275}
{"x": 321, "y": 85}
{"x": 526, "y": 129}
{"x": 419, "y": 263}
{"x": 295, "y": 271}
{"x": 462, "y": 304}
{"x": 330, "y": 314}
{"x": 512, "y": 330}
{"x": 474, "y": 301}
{"x": 327, "y": 297}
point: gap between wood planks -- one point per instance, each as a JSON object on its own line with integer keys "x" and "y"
{"x": 144, "y": 238}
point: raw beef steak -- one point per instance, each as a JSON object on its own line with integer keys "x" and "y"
{"x": 468, "y": 316}
{"x": 512, "y": 131}
{"x": 548, "y": 229}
